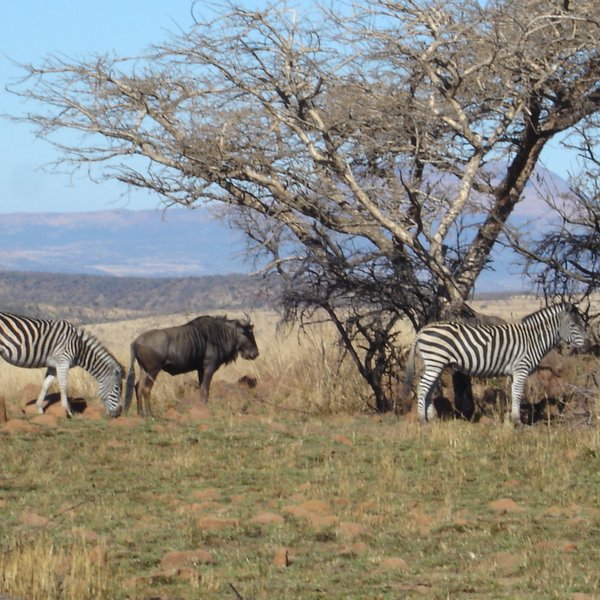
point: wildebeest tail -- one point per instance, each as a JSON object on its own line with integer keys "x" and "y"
{"x": 410, "y": 370}
{"x": 130, "y": 381}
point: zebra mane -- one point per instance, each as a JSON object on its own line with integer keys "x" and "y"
{"x": 549, "y": 311}
{"x": 93, "y": 345}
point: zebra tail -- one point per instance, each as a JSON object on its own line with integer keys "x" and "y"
{"x": 130, "y": 382}
{"x": 409, "y": 374}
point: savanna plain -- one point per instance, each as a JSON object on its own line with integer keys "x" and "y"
{"x": 288, "y": 487}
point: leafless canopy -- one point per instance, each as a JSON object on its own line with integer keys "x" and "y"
{"x": 372, "y": 153}
{"x": 565, "y": 259}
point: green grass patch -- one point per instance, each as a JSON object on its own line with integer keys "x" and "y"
{"x": 362, "y": 507}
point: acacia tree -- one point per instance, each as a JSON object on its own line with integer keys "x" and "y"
{"x": 372, "y": 157}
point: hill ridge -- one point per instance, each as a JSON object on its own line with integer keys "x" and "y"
{"x": 94, "y": 298}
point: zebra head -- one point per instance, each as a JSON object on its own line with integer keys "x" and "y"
{"x": 105, "y": 368}
{"x": 110, "y": 390}
{"x": 572, "y": 329}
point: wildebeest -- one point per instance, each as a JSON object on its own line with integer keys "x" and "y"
{"x": 203, "y": 344}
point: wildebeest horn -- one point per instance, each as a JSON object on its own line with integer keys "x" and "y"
{"x": 247, "y": 318}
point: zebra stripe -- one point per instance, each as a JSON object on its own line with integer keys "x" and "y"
{"x": 59, "y": 345}
{"x": 514, "y": 349}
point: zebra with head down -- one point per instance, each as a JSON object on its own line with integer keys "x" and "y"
{"x": 514, "y": 349}
{"x": 59, "y": 345}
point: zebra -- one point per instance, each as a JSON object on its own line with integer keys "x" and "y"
{"x": 58, "y": 345}
{"x": 514, "y": 349}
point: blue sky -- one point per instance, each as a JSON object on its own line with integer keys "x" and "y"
{"x": 31, "y": 30}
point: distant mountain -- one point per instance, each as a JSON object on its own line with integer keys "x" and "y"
{"x": 178, "y": 242}
{"x": 542, "y": 185}
{"x": 92, "y": 298}
{"x": 152, "y": 243}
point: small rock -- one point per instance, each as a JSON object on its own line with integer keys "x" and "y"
{"x": 48, "y": 420}
{"x": 207, "y": 494}
{"x": 85, "y": 534}
{"x": 178, "y": 559}
{"x": 93, "y": 413}
{"x": 281, "y": 558}
{"x": 394, "y": 563}
{"x": 208, "y": 523}
{"x": 342, "y": 439}
{"x": 18, "y": 426}
{"x": 506, "y": 505}
{"x": 351, "y": 530}
{"x": 267, "y": 518}
{"x": 31, "y": 519}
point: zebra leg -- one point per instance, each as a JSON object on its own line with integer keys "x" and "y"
{"x": 62, "y": 372}
{"x": 516, "y": 392}
{"x": 50, "y": 375}
{"x": 425, "y": 408}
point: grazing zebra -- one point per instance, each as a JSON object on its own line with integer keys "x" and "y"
{"x": 58, "y": 345}
{"x": 511, "y": 349}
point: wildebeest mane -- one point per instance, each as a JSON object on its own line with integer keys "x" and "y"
{"x": 221, "y": 334}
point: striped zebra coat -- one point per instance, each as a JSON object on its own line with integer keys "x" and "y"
{"x": 58, "y": 345}
{"x": 514, "y": 349}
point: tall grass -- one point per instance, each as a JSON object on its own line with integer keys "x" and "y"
{"x": 35, "y": 567}
{"x": 302, "y": 370}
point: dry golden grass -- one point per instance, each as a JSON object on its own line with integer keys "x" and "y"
{"x": 364, "y": 507}
{"x": 37, "y": 568}
{"x": 299, "y": 369}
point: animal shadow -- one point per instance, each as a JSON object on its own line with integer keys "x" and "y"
{"x": 78, "y": 405}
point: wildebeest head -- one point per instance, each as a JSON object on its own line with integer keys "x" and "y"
{"x": 246, "y": 343}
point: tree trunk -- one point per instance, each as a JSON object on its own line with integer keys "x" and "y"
{"x": 463, "y": 395}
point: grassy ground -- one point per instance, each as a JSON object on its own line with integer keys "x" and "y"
{"x": 288, "y": 507}
{"x": 288, "y": 491}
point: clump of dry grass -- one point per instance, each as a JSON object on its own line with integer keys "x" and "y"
{"x": 306, "y": 370}
{"x": 36, "y": 568}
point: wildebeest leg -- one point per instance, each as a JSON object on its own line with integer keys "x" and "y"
{"x": 142, "y": 393}
{"x": 204, "y": 379}
{"x": 50, "y": 375}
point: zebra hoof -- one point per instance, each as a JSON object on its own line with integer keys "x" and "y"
{"x": 431, "y": 413}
